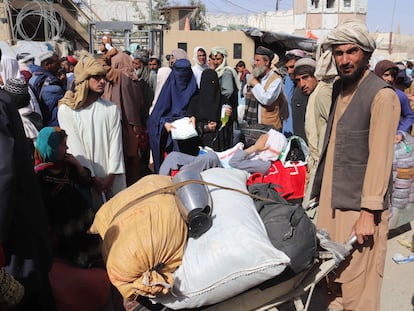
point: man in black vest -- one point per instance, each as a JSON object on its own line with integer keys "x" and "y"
{"x": 353, "y": 176}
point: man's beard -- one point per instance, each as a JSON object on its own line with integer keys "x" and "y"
{"x": 93, "y": 93}
{"x": 356, "y": 76}
{"x": 259, "y": 72}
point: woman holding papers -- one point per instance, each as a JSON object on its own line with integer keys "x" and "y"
{"x": 171, "y": 105}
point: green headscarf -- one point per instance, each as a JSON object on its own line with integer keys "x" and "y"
{"x": 47, "y": 144}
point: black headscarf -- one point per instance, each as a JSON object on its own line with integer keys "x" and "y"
{"x": 206, "y": 104}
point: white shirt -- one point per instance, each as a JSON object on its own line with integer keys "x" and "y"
{"x": 95, "y": 139}
{"x": 268, "y": 97}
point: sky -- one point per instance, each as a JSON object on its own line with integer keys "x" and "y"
{"x": 382, "y": 16}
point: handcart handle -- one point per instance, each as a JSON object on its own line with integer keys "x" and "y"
{"x": 351, "y": 241}
{"x": 311, "y": 205}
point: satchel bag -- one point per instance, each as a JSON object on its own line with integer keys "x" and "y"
{"x": 288, "y": 226}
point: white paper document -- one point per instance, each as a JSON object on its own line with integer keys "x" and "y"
{"x": 183, "y": 129}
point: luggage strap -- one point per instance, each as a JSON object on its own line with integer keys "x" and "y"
{"x": 172, "y": 189}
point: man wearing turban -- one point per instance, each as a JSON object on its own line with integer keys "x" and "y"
{"x": 229, "y": 87}
{"x": 94, "y": 133}
{"x": 353, "y": 176}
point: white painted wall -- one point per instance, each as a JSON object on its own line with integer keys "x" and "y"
{"x": 120, "y": 10}
{"x": 281, "y": 21}
{"x": 268, "y": 21}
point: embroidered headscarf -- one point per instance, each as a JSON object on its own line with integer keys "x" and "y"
{"x": 47, "y": 144}
{"x": 354, "y": 32}
{"x": 86, "y": 67}
{"x": 19, "y": 91}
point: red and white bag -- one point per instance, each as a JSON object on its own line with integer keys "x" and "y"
{"x": 289, "y": 181}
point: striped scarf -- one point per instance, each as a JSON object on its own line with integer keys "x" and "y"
{"x": 252, "y": 108}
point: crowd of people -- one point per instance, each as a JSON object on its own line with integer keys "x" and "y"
{"x": 83, "y": 128}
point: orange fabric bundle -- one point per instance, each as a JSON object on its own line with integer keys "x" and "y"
{"x": 143, "y": 238}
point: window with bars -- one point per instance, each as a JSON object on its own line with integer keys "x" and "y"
{"x": 330, "y": 4}
{"x": 237, "y": 50}
{"x": 315, "y": 4}
{"x": 182, "y": 45}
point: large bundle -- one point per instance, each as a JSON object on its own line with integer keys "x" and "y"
{"x": 235, "y": 254}
{"x": 143, "y": 238}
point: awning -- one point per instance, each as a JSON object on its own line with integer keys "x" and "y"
{"x": 281, "y": 42}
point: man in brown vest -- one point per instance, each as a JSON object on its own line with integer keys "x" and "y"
{"x": 353, "y": 176}
{"x": 265, "y": 101}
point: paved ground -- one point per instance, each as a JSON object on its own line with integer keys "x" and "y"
{"x": 398, "y": 286}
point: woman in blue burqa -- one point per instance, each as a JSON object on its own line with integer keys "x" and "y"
{"x": 171, "y": 105}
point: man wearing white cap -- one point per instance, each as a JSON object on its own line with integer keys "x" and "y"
{"x": 312, "y": 119}
{"x": 305, "y": 81}
{"x": 291, "y": 57}
{"x": 353, "y": 180}
{"x": 46, "y": 86}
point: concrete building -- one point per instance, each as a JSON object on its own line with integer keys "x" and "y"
{"x": 316, "y": 18}
{"x": 238, "y": 44}
{"x": 269, "y": 21}
{"x": 307, "y": 18}
{"x": 320, "y": 16}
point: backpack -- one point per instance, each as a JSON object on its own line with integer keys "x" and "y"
{"x": 288, "y": 226}
{"x": 37, "y": 88}
{"x": 36, "y": 119}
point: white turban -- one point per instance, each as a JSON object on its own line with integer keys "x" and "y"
{"x": 354, "y": 32}
{"x": 219, "y": 49}
{"x": 220, "y": 69}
